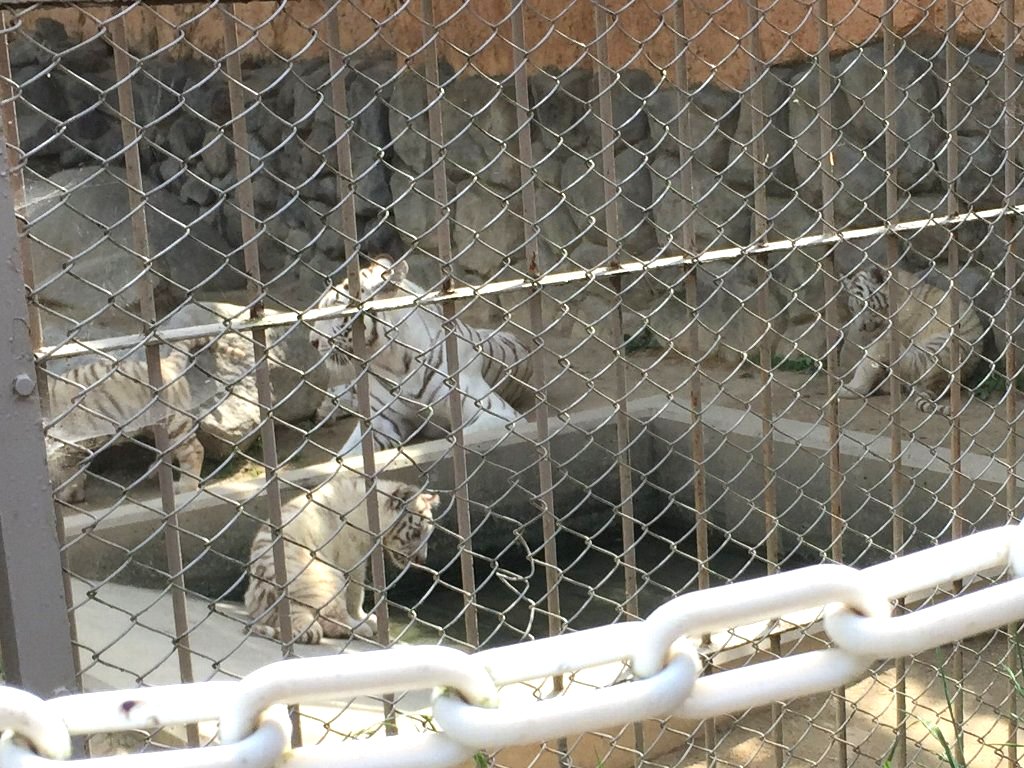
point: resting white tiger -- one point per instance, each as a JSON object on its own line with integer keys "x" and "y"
{"x": 327, "y": 546}
{"x": 408, "y": 364}
{"x": 925, "y": 328}
{"x": 99, "y": 404}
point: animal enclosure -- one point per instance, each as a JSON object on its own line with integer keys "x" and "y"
{"x": 351, "y": 325}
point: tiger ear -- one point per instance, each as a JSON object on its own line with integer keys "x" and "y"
{"x": 398, "y": 272}
{"x": 429, "y": 500}
{"x": 877, "y": 274}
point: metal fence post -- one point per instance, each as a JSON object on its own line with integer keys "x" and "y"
{"x": 35, "y": 634}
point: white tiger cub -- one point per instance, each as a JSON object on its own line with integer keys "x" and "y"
{"x": 926, "y": 330}
{"x": 100, "y": 404}
{"x": 327, "y": 546}
{"x": 408, "y": 364}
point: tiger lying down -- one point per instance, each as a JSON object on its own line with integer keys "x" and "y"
{"x": 926, "y": 330}
{"x": 100, "y": 404}
{"x": 408, "y": 364}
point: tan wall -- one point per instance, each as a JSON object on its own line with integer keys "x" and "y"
{"x": 643, "y": 34}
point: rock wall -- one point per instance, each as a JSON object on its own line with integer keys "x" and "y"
{"x": 68, "y": 119}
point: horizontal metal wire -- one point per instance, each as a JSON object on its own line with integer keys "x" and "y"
{"x": 497, "y": 287}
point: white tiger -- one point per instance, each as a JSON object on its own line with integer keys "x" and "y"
{"x": 99, "y": 404}
{"x": 408, "y": 364}
{"x": 327, "y": 544}
{"x": 926, "y": 333}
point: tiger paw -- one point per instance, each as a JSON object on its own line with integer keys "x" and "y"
{"x": 366, "y": 628}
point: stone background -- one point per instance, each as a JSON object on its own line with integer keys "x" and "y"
{"x": 77, "y": 206}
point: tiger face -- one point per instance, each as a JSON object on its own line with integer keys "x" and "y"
{"x": 865, "y": 298}
{"x": 406, "y": 540}
{"x": 334, "y": 336}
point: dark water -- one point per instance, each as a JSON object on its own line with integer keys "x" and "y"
{"x": 511, "y": 593}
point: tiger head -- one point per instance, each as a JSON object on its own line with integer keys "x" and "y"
{"x": 865, "y": 297}
{"x": 334, "y": 336}
{"x": 405, "y": 540}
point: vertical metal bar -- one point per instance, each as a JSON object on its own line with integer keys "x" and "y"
{"x": 603, "y": 20}
{"x": 338, "y": 99}
{"x": 1011, "y": 234}
{"x": 16, "y": 166}
{"x": 35, "y": 634}
{"x": 257, "y": 291}
{"x": 826, "y": 85}
{"x": 451, "y": 342}
{"x": 531, "y": 236}
{"x": 531, "y": 231}
{"x": 140, "y": 243}
{"x": 759, "y": 226}
{"x": 684, "y": 129}
{"x": 614, "y": 240}
{"x": 889, "y": 42}
{"x": 955, "y": 400}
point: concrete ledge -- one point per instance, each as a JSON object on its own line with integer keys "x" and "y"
{"x": 217, "y": 523}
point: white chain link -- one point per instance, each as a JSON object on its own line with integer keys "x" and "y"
{"x": 660, "y": 651}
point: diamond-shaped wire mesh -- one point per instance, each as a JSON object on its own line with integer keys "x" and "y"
{"x": 551, "y": 415}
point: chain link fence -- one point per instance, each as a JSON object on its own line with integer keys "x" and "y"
{"x": 372, "y": 323}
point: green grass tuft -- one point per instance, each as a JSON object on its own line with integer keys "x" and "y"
{"x": 798, "y": 364}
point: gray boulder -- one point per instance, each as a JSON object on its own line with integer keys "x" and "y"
{"x": 85, "y": 213}
{"x": 408, "y": 117}
{"x": 718, "y": 213}
{"x": 223, "y": 382}
{"x": 630, "y": 92}
{"x": 487, "y": 233}
{"x": 480, "y": 132}
{"x": 777, "y": 148}
{"x": 710, "y": 116}
{"x": 979, "y": 179}
{"x": 414, "y": 211}
{"x": 810, "y": 160}
{"x": 916, "y": 120}
{"x": 562, "y": 109}
{"x": 583, "y": 184}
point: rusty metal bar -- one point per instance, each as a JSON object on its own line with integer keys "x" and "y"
{"x": 542, "y": 415}
{"x": 614, "y": 241}
{"x": 604, "y": 19}
{"x": 758, "y": 228}
{"x": 1011, "y": 83}
{"x": 689, "y": 243}
{"x": 531, "y": 228}
{"x": 826, "y": 167}
{"x": 955, "y": 399}
{"x": 257, "y": 290}
{"x": 889, "y": 42}
{"x": 123, "y": 67}
{"x": 337, "y": 98}
{"x": 451, "y": 342}
{"x": 684, "y": 129}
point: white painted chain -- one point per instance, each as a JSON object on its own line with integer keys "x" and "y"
{"x": 769, "y": 597}
{"x": 263, "y": 748}
{"x": 660, "y": 651}
{"x": 408, "y": 668}
{"x": 35, "y": 721}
